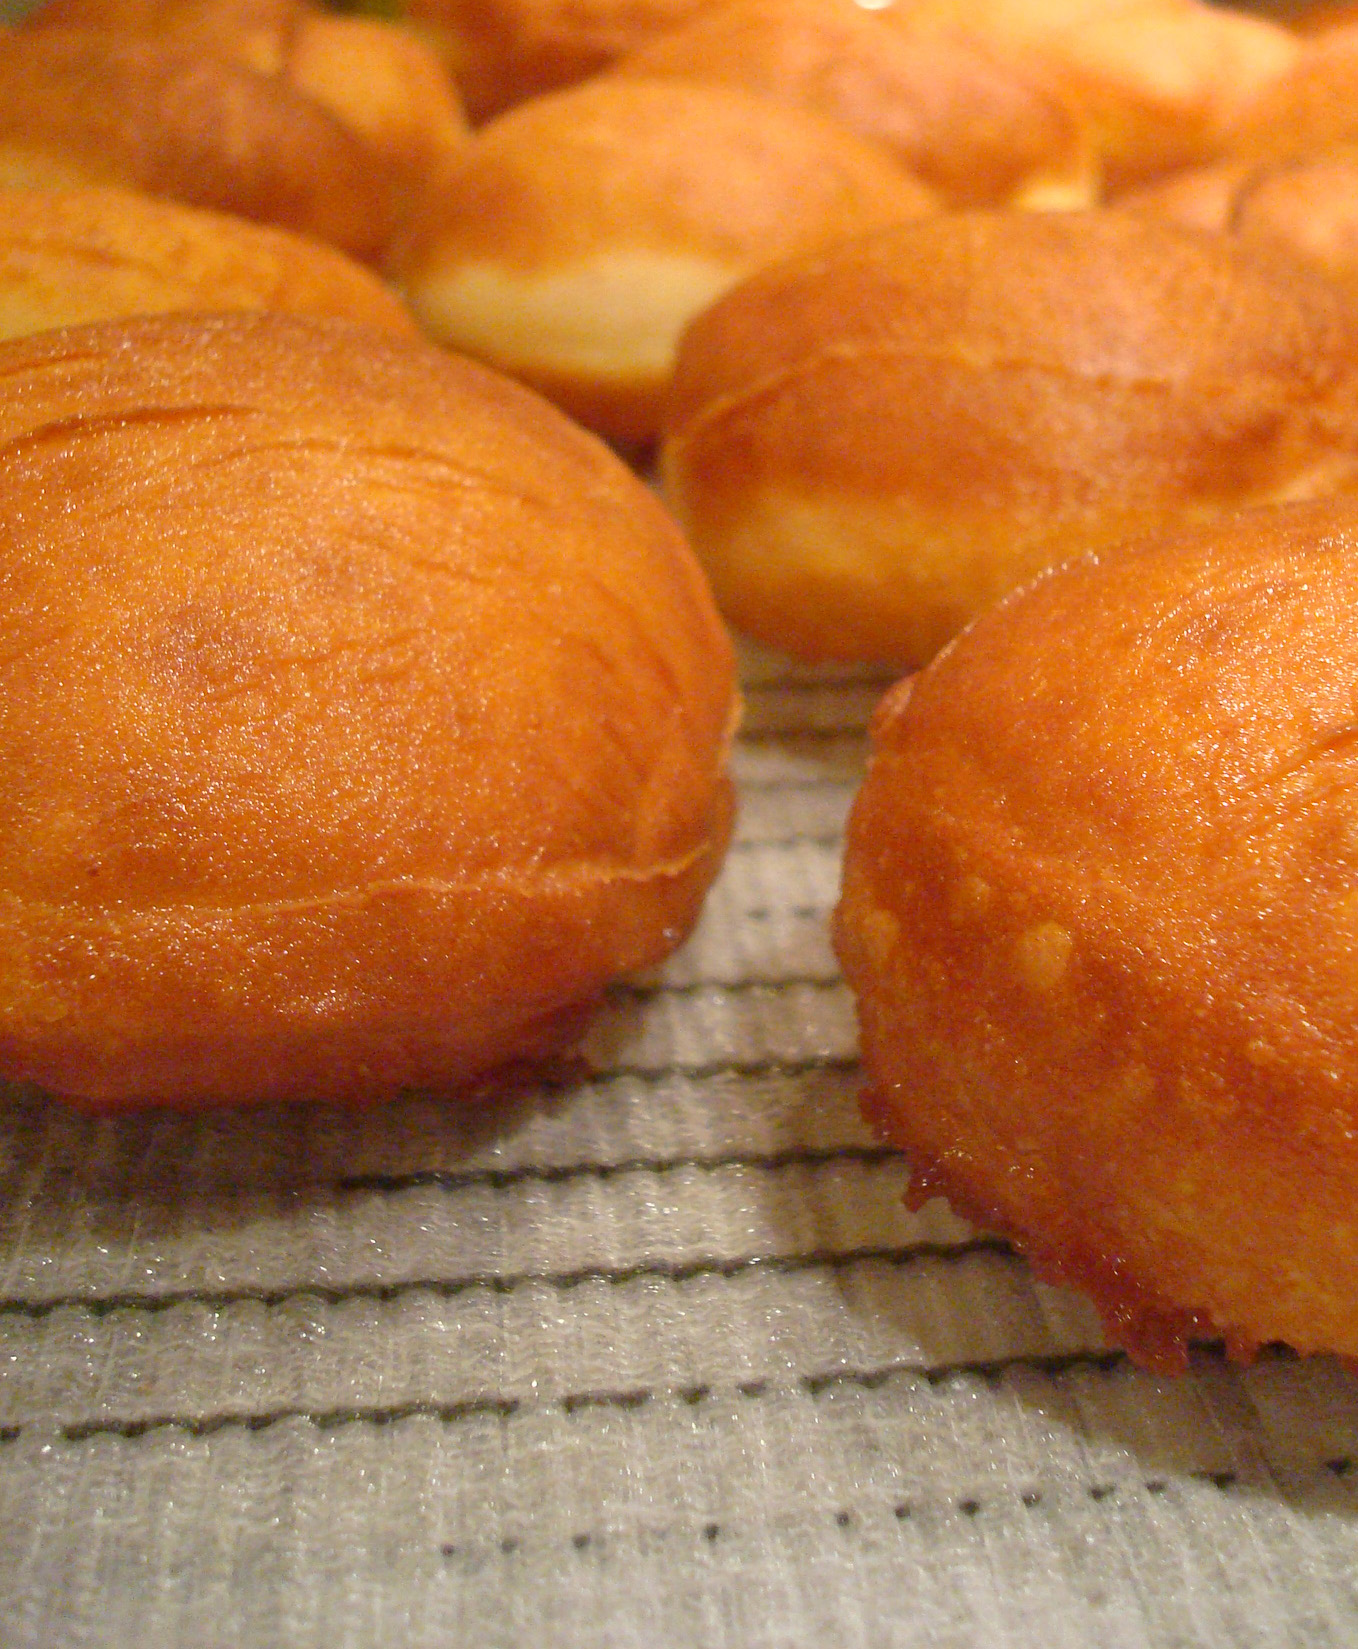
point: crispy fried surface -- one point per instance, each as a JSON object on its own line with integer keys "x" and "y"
{"x": 1101, "y": 909}
{"x": 360, "y": 719}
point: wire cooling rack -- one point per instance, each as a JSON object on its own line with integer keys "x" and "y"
{"x": 657, "y": 1357}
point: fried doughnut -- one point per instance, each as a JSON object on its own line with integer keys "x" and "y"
{"x": 378, "y": 78}
{"x": 976, "y": 125}
{"x": 80, "y": 107}
{"x": 69, "y": 256}
{"x": 581, "y": 231}
{"x": 1306, "y": 205}
{"x": 503, "y": 52}
{"x": 1160, "y": 81}
{"x": 388, "y": 86}
{"x": 360, "y": 717}
{"x": 1100, "y": 909}
{"x": 869, "y": 445}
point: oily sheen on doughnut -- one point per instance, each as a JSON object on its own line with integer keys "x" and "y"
{"x": 75, "y": 255}
{"x": 1100, "y": 908}
{"x": 361, "y": 718}
{"x": 869, "y": 445}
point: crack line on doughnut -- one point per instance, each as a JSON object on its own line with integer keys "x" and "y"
{"x": 556, "y": 879}
{"x": 780, "y": 379}
{"x": 444, "y": 472}
{"x": 81, "y": 427}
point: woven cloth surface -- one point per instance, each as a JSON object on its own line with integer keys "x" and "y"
{"x": 657, "y": 1357}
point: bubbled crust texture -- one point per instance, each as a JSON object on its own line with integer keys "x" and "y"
{"x": 1101, "y": 909}
{"x": 997, "y": 392}
{"x": 359, "y": 717}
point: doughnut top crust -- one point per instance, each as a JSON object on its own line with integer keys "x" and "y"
{"x": 1101, "y": 909}
{"x": 76, "y": 255}
{"x": 360, "y": 716}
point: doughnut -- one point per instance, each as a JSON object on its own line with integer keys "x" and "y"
{"x": 503, "y": 52}
{"x": 81, "y": 107}
{"x": 1313, "y": 106}
{"x": 361, "y": 720}
{"x": 1306, "y": 205}
{"x": 582, "y": 231}
{"x": 76, "y": 255}
{"x": 384, "y": 84}
{"x": 869, "y": 445}
{"x": 975, "y": 125}
{"x": 1160, "y": 81}
{"x": 1100, "y": 913}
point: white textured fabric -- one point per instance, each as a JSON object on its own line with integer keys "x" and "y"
{"x": 656, "y": 1359}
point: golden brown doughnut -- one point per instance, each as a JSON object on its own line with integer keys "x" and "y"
{"x": 1160, "y": 81}
{"x": 69, "y": 256}
{"x": 974, "y": 125}
{"x": 79, "y": 107}
{"x": 581, "y": 231}
{"x": 377, "y": 78}
{"x": 388, "y": 86}
{"x": 503, "y": 52}
{"x": 1313, "y": 106}
{"x": 1306, "y": 205}
{"x": 360, "y": 717}
{"x": 869, "y": 445}
{"x": 1100, "y": 908}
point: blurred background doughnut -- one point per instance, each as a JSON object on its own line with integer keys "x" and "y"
{"x": 977, "y": 125}
{"x": 582, "y": 231}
